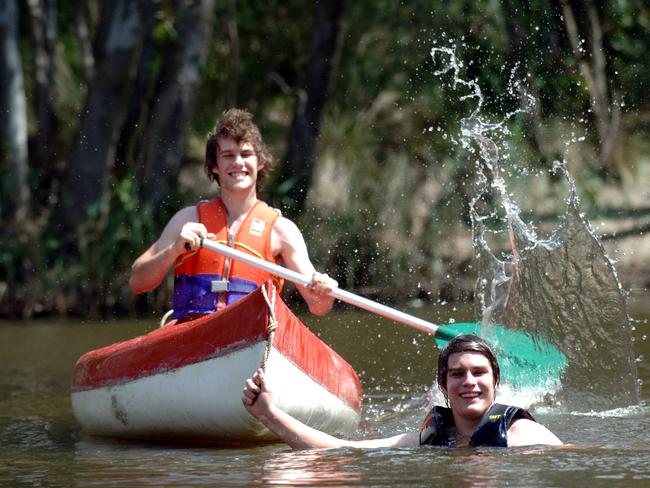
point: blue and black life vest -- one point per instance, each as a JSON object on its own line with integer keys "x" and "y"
{"x": 492, "y": 430}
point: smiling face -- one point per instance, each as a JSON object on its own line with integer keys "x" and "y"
{"x": 235, "y": 126}
{"x": 237, "y": 165}
{"x": 470, "y": 385}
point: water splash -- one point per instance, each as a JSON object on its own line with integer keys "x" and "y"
{"x": 563, "y": 288}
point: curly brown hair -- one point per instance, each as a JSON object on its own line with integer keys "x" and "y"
{"x": 238, "y": 124}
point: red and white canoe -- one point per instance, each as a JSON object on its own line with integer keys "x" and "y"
{"x": 185, "y": 381}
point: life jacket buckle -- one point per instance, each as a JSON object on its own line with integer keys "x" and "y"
{"x": 219, "y": 286}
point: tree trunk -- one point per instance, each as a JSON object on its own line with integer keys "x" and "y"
{"x": 43, "y": 150}
{"x": 235, "y": 54}
{"x": 516, "y": 31}
{"x": 94, "y": 149}
{"x": 593, "y": 69}
{"x": 85, "y": 42}
{"x": 516, "y": 18}
{"x": 299, "y": 164}
{"x": 13, "y": 109}
{"x": 130, "y": 142}
{"x": 179, "y": 82}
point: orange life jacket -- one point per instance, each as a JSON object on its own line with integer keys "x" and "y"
{"x": 206, "y": 281}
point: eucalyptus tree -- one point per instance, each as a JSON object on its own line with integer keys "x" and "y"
{"x": 299, "y": 163}
{"x": 13, "y": 116}
{"x": 93, "y": 151}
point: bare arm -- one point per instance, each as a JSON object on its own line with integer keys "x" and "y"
{"x": 288, "y": 243}
{"x": 524, "y": 432}
{"x": 258, "y": 400}
{"x": 150, "y": 269}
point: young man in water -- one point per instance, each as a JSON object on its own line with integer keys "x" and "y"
{"x": 468, "y": 374}
{"x": 238, "y": 160}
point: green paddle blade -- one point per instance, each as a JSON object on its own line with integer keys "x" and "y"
{"x": 524, "y": 362}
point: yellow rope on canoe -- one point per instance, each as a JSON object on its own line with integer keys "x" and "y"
{"x": 273, "y": 324}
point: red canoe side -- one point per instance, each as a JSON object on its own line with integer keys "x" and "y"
{"x": 324, "y": 365}
{"x": 236, "y": 327}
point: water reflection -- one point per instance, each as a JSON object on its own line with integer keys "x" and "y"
{"x": 105, "y": 462}
{"x": 312, "y": 468}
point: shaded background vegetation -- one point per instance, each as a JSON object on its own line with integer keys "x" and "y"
{"x": 105, "y": 107}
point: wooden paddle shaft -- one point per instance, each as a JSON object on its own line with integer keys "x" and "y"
{"x": 344, "y": 296}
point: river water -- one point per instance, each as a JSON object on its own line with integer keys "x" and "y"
{"x": 42, "y": 445}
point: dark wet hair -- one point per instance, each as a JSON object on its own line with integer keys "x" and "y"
{"x": 238, "y": 125}
{"x": 465, "y": 343}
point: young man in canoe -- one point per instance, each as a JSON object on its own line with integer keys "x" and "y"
{"x": 238, "y": 160}
{"x": 468, "y": 374}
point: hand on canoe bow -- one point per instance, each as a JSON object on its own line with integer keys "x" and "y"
{"x": 258, "y": 397}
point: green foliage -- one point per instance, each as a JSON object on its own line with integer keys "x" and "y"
{"x": 95, "y": 282}
{"x": 114, "y": 233}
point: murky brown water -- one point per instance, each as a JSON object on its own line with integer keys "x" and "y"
{"x": 41, "y": 444}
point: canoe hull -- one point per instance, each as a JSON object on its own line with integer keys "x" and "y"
{"x": 188, "y": 396}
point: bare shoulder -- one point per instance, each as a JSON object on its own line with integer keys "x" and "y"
{"x": 285, "y": 227}
{"x": 182, "y": 217}
{"x": 176, "y": 223}
{"x": 286, "y": 237}
{"x": 525, "y": 432}
{"x": 187, "y": 214}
